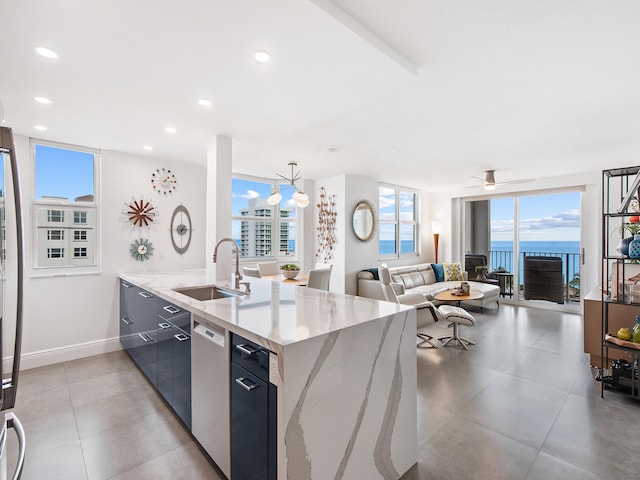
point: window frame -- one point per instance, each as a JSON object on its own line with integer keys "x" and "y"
{"x": 275, "y": 221}
{"x": 89, "y": 208}
{"x": 398, "y": 222}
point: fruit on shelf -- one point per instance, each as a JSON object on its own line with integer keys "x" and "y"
{"x": 624, "y": 334}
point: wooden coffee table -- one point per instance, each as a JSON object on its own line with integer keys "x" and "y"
{"x": 448, "y": 296}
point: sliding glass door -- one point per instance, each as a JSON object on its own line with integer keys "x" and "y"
{"x": 533, "y": 245}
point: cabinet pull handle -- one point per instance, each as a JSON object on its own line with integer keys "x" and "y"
{"x": 126, "y": 285}
{"x": 145, "y": 294}
{"x": 171, "y": 309}
{"x": 181, "y": 337}
{"x": 164, "y": 326}
{"x": 247, "y": 386}
{"x": 145, "y": 337}
{"x": 246, "y": 349}
{"x": 127, "y": 321}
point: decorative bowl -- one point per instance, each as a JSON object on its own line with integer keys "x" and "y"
{"x": 290, "y": 274}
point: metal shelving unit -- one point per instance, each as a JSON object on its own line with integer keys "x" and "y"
{"x": 618, "y": 187}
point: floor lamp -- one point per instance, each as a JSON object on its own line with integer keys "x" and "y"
{"x": 435, "y": 228}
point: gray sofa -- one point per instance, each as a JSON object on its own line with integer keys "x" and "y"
{"x": 421, "y": 278}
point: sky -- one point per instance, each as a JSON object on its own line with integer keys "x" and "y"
{"x": 244, "y": 190}
{"x": 551, "y": 217}
{"x": 63, "y": 173}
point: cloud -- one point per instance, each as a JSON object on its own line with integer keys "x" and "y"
{"x": 570, "y": 219}
{"x": 249, "y": 194}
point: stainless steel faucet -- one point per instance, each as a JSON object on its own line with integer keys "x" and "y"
{"x": 238, "y": 277}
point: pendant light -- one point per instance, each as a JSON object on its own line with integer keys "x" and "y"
{"x": 299, "y": 197}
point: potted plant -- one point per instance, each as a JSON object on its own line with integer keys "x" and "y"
{"x": 481, "y": 271}
{"x": 290, "y": 270}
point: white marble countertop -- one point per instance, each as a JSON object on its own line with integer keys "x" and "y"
{"x": 273, "y": 314}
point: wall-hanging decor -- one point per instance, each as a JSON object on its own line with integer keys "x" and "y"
{"x": 181, "y": 229}
{"x": 163, "y": 181}
{"x": 326, "y": 226}
{"x": 139, "y": 212}
{"x": 141, "y": 249}
{"x": 363, "y": 221}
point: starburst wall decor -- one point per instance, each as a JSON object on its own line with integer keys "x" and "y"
{"x": 139, "y": 212}
{"x": 141, "y": 249}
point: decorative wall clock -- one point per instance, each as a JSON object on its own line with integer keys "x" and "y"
{"x": 141, "y": 249}
{"x": 181, "y": 229}
{"x": 163, "y": 181}
{"x": 139, "y": 212}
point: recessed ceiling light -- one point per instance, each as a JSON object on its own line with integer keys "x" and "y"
{"x": 170, "y": 130}
{"x": 204, "y": 102}
{"x": 46, "y": 52}
{"x": 44, "y": 100}
{"x": 262, "y": 56}
{"x": 40, "y": 128}
{"x": 148, "y": 147}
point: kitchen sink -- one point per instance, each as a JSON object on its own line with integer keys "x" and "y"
{"x": 208, "y": 292}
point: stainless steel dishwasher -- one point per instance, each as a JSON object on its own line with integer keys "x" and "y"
{"x": 210, "y": 391}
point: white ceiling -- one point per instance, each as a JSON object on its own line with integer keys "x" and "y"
{"x": 420, "y": 93}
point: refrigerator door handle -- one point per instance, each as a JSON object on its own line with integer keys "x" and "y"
{"x": 13, "y": 422}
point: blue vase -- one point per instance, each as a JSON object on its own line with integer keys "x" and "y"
{"x": 634, "y": 247}
{"x": 623, "y": 246}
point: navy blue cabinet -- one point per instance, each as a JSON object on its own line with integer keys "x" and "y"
{"x": 156, "y": 334}
{"x": 174, "y": 358}
{"x": 138, "y": 331}
{"x": 253, "y": 412}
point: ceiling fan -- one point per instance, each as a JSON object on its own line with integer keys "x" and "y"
{"x": 489, "y": 180}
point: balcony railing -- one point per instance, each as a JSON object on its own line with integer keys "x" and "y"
{"x": 570, "y": 269}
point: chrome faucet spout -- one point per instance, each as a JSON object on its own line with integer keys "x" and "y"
{"x": 237, "y": 275}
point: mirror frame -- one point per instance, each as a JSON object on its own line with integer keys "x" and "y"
{"x": 363, "y": 205}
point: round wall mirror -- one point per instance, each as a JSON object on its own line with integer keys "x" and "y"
{"x": 364, "y": 221}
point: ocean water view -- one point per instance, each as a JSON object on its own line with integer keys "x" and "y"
{"x": 502, "y": 255}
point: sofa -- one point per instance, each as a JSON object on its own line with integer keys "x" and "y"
{"x": 422, "y": 278}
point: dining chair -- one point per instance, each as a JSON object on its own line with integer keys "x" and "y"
{"x": 320, "y": 265}
{"x": 250, "y": 272}
{"x": 268, "y": 268}
{"x": 319, "y": 278}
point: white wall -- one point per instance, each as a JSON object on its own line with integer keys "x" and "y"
{"x": 74, "y": 316}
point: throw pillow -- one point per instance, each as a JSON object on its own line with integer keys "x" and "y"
{"x": 438, "y": 269}
{"x": 452, "y": 272}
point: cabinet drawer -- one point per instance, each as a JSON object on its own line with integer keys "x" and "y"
{"x": 250, "y": 356}
{"x": 168, "y": 312}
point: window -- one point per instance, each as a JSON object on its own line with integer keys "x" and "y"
{"x": 79, "y": 217}
{"x": 398, "y": 229}
{"x": 65, "y": 197}
{"x": 55, "y": 216}
{"x": 262, "y": 230}
{"x": 55, "y": 235}
{"x": 55, "y": 252}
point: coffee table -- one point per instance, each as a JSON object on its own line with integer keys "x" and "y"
{"x": 448, "y": 296}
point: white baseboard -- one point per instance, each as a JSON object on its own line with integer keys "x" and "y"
{"x": 63, "y": 354}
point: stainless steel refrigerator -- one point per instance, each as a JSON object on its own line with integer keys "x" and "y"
{"x": 11, "y": 280}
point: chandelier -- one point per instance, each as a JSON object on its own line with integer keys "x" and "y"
{"x": 299, "y": 197}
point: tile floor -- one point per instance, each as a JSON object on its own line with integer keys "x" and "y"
{"x": 520, "y": 404}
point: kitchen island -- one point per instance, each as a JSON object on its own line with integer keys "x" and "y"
{"x": 344, "y": 367}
